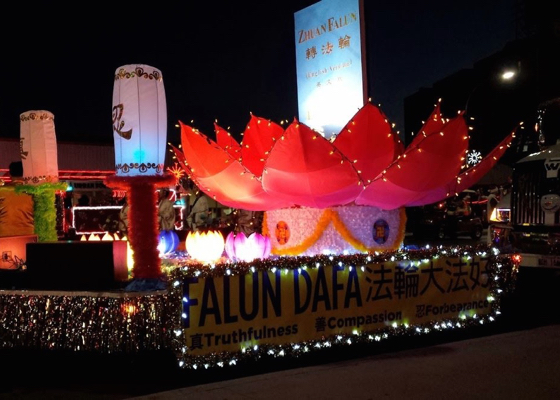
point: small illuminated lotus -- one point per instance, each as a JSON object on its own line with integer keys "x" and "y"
{"x": 242, "y": 248}
{"x": 366, "y": 164}
{"x": 206, "y": 247}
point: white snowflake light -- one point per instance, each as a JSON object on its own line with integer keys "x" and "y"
{"x": 473, "y": 157}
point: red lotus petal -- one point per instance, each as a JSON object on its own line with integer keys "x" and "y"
{"x": 476, "y": 172}
{"x": 433, "y": 124}
{"x": 467, "y": 178}
{"x": 434, "y": 162}
{"x": 222, "y": 177}
{"x": 305, "y": 169}
{"x": 369, "y": 139}
{"x": 308, "y": 170}
{"x": 204, "y": 157}
{"x": 435, "y": 195}
{"x": 258, "y": 139}
{"x": 227, "y": 142}
{"x": 386, "y": 195}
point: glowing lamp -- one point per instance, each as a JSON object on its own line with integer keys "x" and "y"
{"x": 129, "y": 309}
{"x": 129, "y": 257}
{"x": 242, "y": 248}
{"x": 139, "y": 121}
{"x": 107, "y": 237}
{"x": 38, "y": 149}
{"x": 168, "y": 241}
{"x": 206, "y": 247}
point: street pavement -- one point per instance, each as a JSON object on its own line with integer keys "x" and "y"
{"x": 513, "y": 365}
{"x": 514, "y": 358}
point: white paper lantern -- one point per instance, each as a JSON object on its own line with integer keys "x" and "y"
{"x": 139, "y": 121}
{"x": 39, "y": 154}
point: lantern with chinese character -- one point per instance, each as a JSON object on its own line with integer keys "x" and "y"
{"x": 139, "y": 120}
{"x": 140, "y": 135}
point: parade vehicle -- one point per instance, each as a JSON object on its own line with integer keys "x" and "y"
{"x": 534, "y": 228}
{"x": 535, "y": 205}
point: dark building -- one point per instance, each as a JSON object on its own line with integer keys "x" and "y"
{"x": 495, "y": 107}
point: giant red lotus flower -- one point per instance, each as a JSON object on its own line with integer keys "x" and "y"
{"x": 365, "y": 164}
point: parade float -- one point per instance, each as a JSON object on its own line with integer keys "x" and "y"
{"x": 328, "y": 268}
{"x": 337, "y": 273}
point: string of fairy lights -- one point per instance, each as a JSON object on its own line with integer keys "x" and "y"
{"x": 251, "y": 160}
{"x": 131, "y": 322}
{"x": 125, "y": 322}
{"x": 502, "y": 272}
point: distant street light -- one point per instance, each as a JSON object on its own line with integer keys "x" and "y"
{"x": 506, "y": 75}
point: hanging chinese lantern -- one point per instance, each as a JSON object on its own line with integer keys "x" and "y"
{"x": 139, "y": 120}
{"x": 38, "y": 148}
{"x": 242, "y": 248}
{"x": 139, "y": 117}
{"x": 206, "y": 247}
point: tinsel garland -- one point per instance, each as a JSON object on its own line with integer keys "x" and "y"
{"x": 81, "y": 321}
{"x": 130, "y": 322}
{"x": 143, "y": 227}
{"x": 328, "y": 216}
{"x": 502, "y": 268}
{"x": 44, "y": 210}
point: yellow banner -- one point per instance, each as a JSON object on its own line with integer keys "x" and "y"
{"x": 279, "y": 306}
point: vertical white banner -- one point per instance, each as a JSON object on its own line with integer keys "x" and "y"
{"x": 329, "y": 66}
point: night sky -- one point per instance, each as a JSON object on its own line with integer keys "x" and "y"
{"x": 221, "y": 60}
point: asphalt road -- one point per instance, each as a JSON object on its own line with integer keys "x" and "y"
{"x": 517, "y": 357}
{"x": 514, "y": 365}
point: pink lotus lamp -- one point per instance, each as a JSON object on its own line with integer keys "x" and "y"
{"x": 242, "y": 248}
